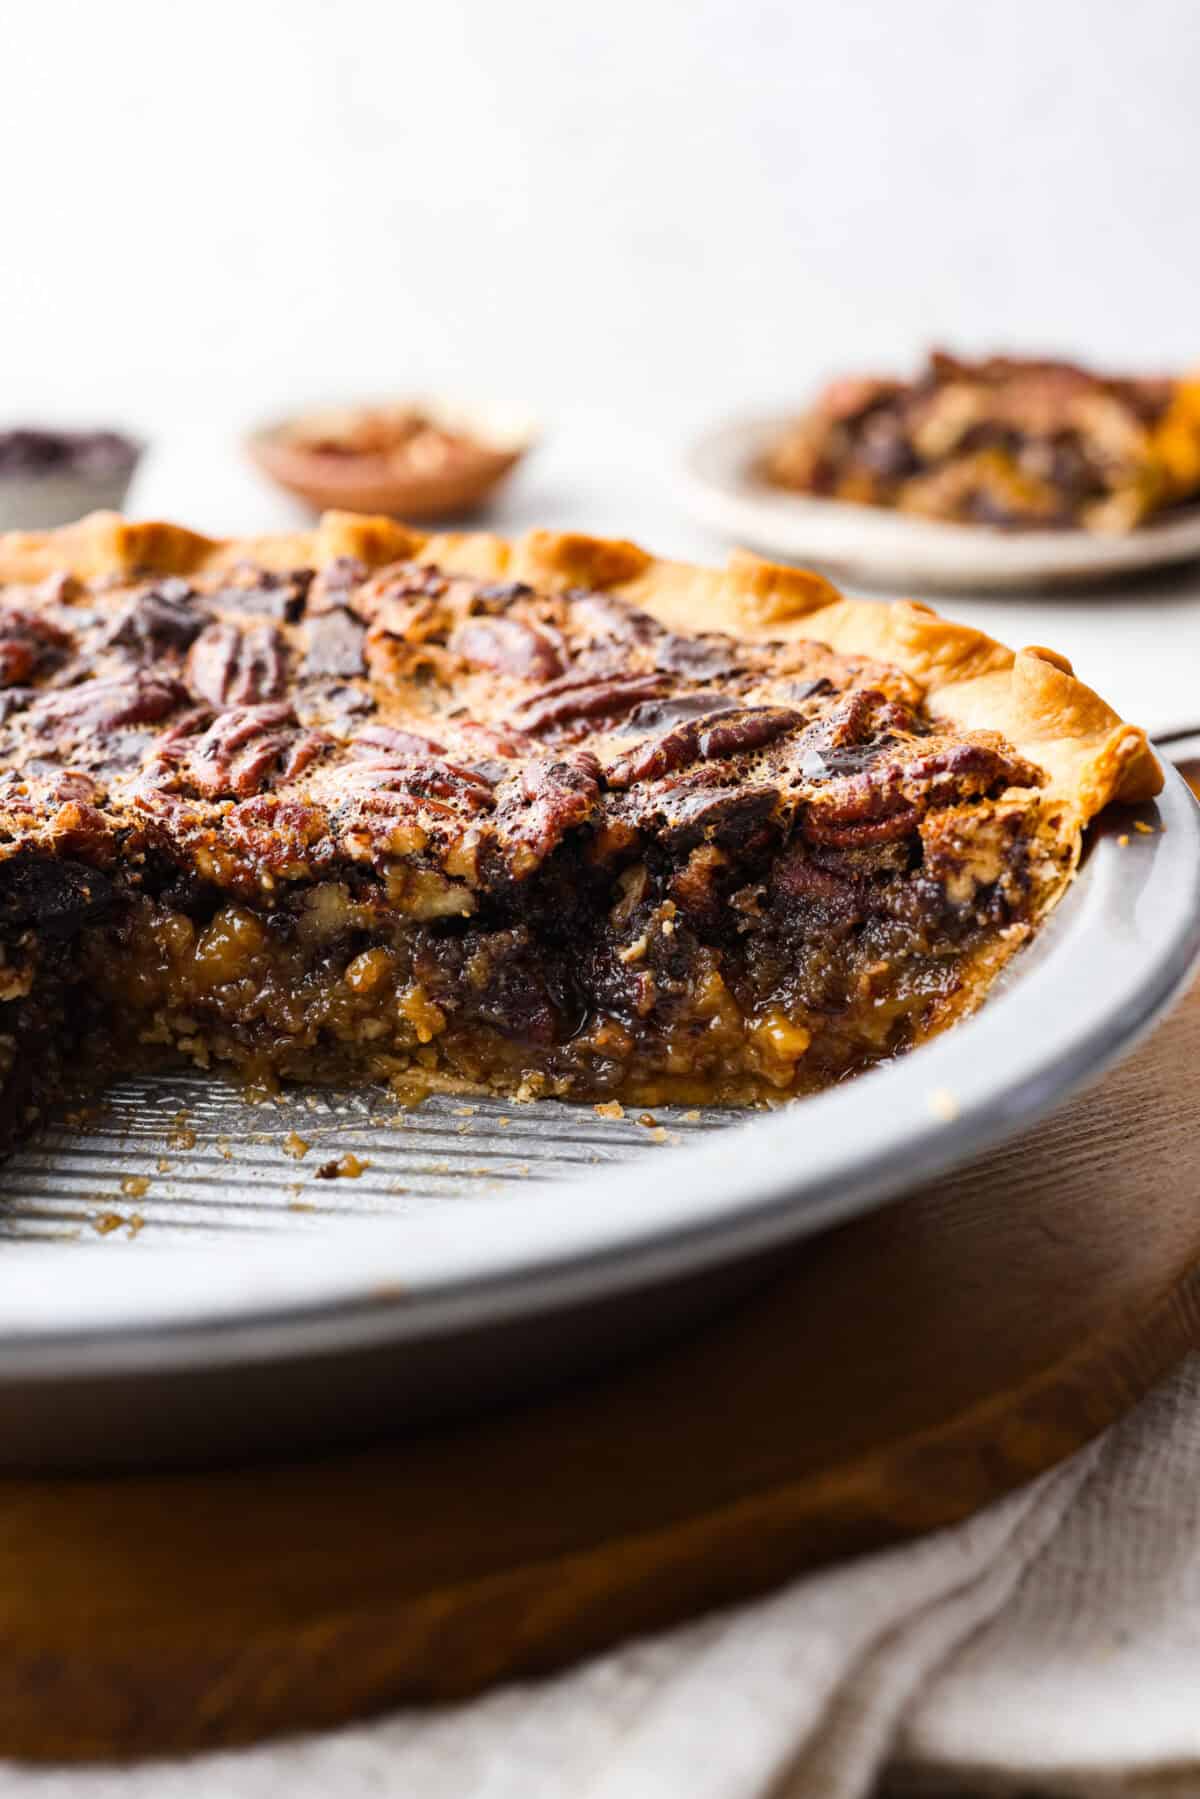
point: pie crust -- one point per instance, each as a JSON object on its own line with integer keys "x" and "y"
{"x": 585, "y": 822}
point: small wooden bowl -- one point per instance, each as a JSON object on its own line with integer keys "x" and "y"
{"x": 392, "y": 481}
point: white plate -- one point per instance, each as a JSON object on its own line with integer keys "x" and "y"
{"x": 110, "y": 1350}
{"x": 869, "y": 543}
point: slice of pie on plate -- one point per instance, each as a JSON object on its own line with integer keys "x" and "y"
{"x": 551, "y": 817}
{"x": 1012, "y": 442}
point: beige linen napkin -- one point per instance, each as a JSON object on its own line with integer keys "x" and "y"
{"x": 1050, "y": 1645}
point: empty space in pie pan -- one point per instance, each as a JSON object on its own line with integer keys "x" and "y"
{"x": 176, "y": 1279}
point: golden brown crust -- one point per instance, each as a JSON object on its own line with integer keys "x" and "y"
{"x": 1031, "y": 696}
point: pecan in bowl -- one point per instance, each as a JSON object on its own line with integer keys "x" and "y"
{"x": 415, "y": 459}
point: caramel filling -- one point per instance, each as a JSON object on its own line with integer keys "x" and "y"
{"x": 689, "y": 983}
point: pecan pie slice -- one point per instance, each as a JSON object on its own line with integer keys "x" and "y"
{"x": 550, "y": 817}
{"x": 1000, "y": 442}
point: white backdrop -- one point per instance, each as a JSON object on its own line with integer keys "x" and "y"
{"x": 632, "y": 216}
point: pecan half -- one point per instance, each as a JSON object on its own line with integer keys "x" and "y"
{"x": 878, "y": 792}
{"x": 960, "y": 771}
{"x": 425, "y": 778}
{"x": 507, "y": 645}
{"x": 70, "y": 714}
{"x": 550, "y": 796}
{"x": 29, "y": 645}
{"x": 228, "y": 666}
{"x": 713, "y": 737}
{"x": 603, "y": 617}
{"x": 391, "y": 740}
{"x": 872, "y": 813}
{"x": 242, "y": 750}
{"x": 576, "y": 697}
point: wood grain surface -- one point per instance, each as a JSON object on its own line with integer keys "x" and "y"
{"x": 894, "y": 1376}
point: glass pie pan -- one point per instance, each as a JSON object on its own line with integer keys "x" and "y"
{"x": 179, "y": 1281}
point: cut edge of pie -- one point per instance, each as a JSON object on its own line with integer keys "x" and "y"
{"x": 937, "y": 849}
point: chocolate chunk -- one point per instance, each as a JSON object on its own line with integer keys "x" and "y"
{"x": 343, "y": 572}
{"x": 656, "y": 715}
{"x": 57, "y": 895}
{"x": 829, "y": 761}
{"x": 730, "y": 817}
{"x": 886, "y": 449}
{"x": 335, "y": 645}
{"x": 333, "y": 586}
{"x": 124, "y": 750}
{"x": 167, "y": 616}
{"x": 273, "y": 593}
{"x": 699, "y": 658}
{"x": 14, "y": 700}
{"x": 807, "y": 690}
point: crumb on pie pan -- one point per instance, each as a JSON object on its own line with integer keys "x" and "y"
{"x": 446, "y": 460}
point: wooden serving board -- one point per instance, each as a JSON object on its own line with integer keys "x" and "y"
{"x": 894, "y": 1376}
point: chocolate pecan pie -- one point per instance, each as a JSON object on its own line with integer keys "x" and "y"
{"x": 550, "y": 817}
{"x": 1000, "y": 442}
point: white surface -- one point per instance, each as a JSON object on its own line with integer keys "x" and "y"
{"x": 663, "y": 208}
{"x": 635, "y": 219}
